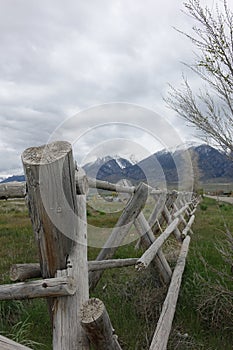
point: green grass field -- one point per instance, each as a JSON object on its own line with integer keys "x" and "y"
{"x": 205, "y": 308}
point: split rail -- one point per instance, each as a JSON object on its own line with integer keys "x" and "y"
{"x": 56, "y": 195}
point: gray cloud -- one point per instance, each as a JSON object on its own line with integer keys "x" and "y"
{"x": 102, "y": 130}
{"x": 58, "y": 58}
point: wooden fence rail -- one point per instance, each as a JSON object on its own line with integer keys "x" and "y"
{"x": 161, "y": 335}
{"x": 8, "y": 344}
{"x": 12, "y": 190}
{"x": 56, "y": 196}
{"x": 50, "y": 287}
{"x": 23, "y": 272}
{"x": 150, "y": 253}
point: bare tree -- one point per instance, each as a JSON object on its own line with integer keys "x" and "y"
{"x": 211, "y": 109}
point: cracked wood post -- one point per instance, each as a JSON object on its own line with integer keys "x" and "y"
{"x": 163, "y": 329}
{"x": 97, "y": 326}
{"x": 122, "y": 227}
{"x": 59, "y": 222}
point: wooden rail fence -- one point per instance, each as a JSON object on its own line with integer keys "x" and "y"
{"x": 56, "y": 196}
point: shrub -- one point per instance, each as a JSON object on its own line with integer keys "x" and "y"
{"x": 216, "y": 305}
{"x": 203, "y": 206}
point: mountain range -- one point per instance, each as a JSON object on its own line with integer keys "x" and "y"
{"x": 18, "y": 178}
{"x": 201, "y": 163}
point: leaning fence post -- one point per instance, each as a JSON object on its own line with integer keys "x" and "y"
{"x": 59, "y": 222}
{"x": 122, "y": 227}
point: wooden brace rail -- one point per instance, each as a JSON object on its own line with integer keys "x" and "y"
{"x": 50, "y": 287}
{"x": 161, "y": 335}
{"x": 8, "y": 344}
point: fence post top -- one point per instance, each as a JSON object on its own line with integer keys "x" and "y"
{"x": 46, "y": 154}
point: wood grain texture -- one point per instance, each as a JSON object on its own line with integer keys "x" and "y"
{"x": 22, "y": 272}
{"x": 147, "y": 239}
{"x": 50, "y": 287}
{"x": 150, "y": 253}
{"x": 12, "y": 190}
{"x": 105, "y": 185}
{"x": 59, "y": 221}
{"x": 97, "y": 325}
{"x": 161, "y": 335}
{"x": 8, "y": 344}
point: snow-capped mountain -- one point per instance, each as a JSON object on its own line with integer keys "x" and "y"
{"x": 122, "y": 163}
{"x": 166, "y": 166}
{"x": 111, "y": 168}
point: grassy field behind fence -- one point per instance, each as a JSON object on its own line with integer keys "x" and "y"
{"x": 205, "y": 308}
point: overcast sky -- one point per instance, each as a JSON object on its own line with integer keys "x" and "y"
{"x": 64, "y": 59}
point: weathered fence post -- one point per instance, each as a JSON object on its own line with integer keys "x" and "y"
{"x": 56, "y": 195}
{"x": 98, "y": 327}
{"x": 59, "y": 222}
